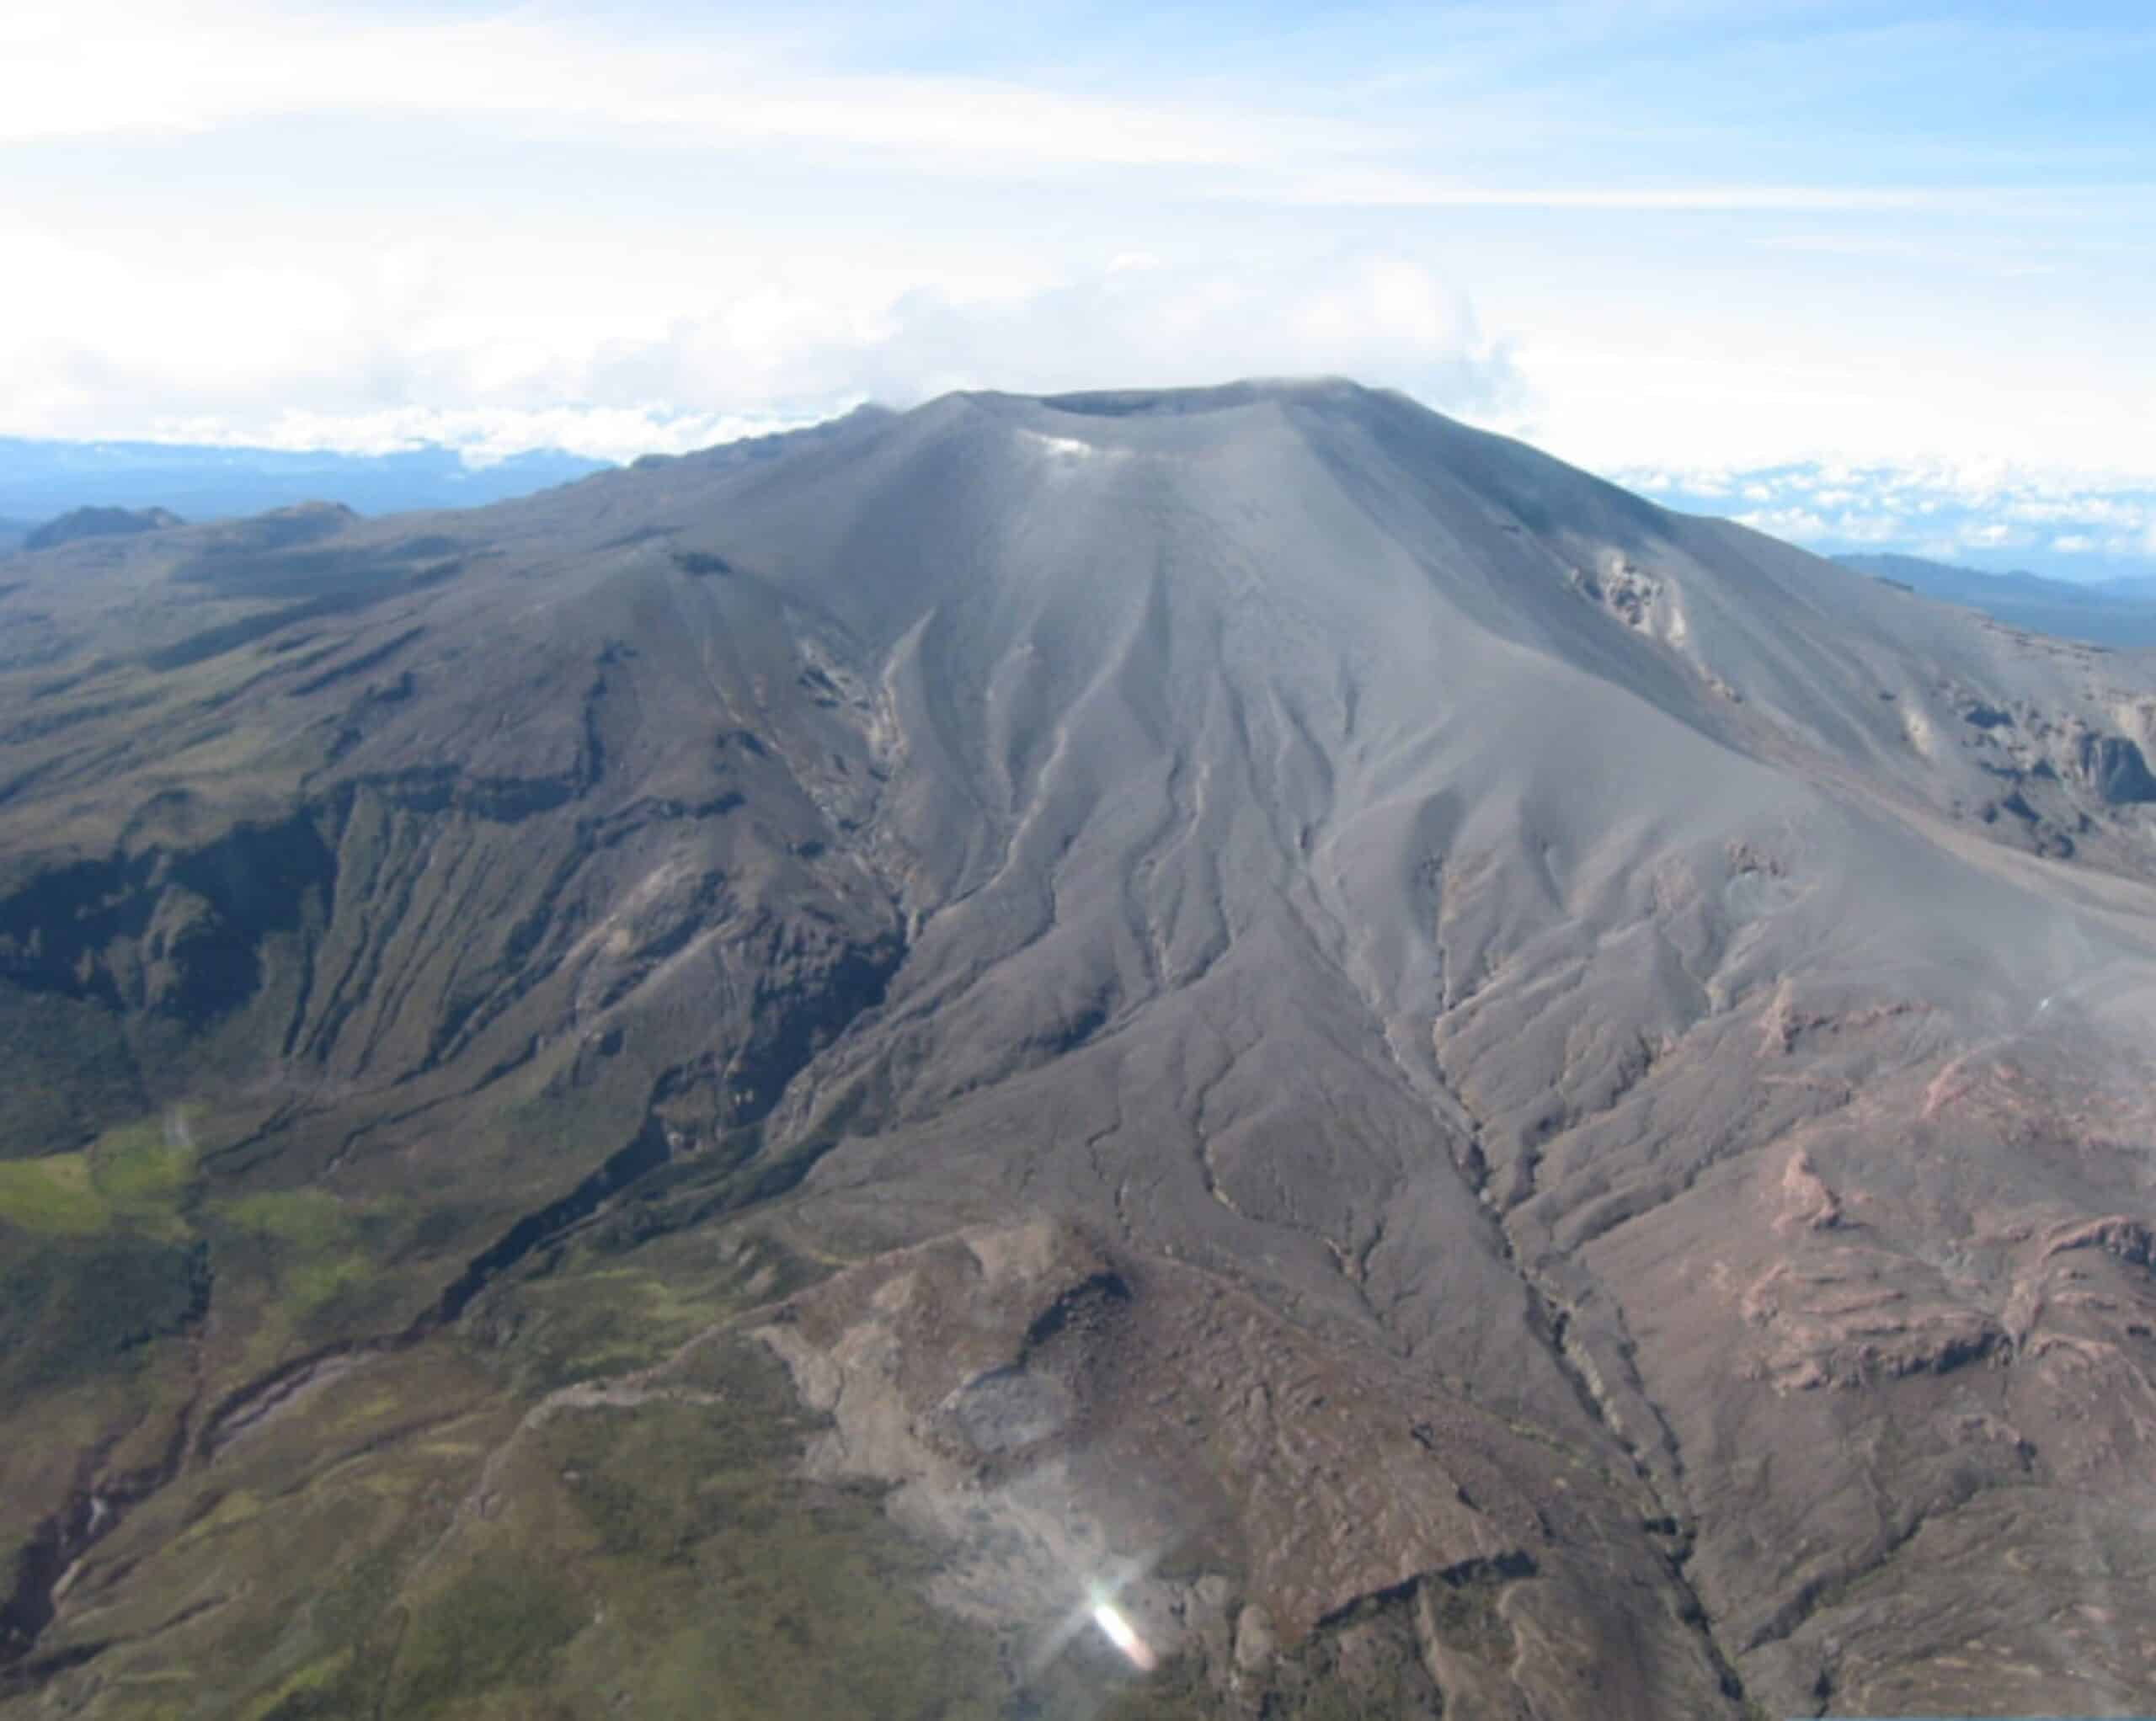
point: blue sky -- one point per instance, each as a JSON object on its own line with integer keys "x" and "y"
{"x": 1651, "y": 237}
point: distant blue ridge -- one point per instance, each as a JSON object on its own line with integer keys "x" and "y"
{"x": 2118, "y": 613}
{"x": 40, "y": 480}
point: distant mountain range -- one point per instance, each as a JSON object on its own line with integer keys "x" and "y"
{"x": 46, "y": 485}
{"x": 100, "y": 523}
{"x": 41, "y": 480}
{"x": 2118, "y": 612}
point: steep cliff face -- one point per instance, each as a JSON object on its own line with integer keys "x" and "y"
{"x": 1469, "y": 1094}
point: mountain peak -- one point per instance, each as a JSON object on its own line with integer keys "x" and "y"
{"x": 1137, "y": 402}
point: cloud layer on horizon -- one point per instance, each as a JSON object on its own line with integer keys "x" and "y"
{"x": 1985, "y": 516}
{"x": 795, "y": 354}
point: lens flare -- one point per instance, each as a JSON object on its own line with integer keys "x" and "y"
{"x": 1123, "y": 1635}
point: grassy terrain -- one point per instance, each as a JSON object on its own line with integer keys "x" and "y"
{"x": 404, "y": 1539}
{"x": 413, "y": 1533}
{"x": 72, "y": 1064}
{"x": 318, "y": 1260}
{"x": 71, "y": 1308}
{"x": 52, "y": 1196}
{"x": 269, "y": 1577}
{"x": 598, "y": 1307}
{"x": 105, "y": 1250}
{"x": 666, "y": 1555}
{"x": 148, "y": 1166}
{"x": 97, "y": 1262}
{"x": 136, "y": 1176}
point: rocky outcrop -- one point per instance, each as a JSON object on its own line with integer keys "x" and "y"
{"x": 2114, "y": 768}
{"x": 1062, "y": 1420}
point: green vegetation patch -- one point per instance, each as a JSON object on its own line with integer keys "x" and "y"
{"x": 737, "y": 1588}
{"x": 73, "y": 1305}
{"x": 320, "y": 1688}
{"x": 597, "y": 1309}
{"x": 496, "y": 1627}
{"x": 139, "y": 1174}
{"x": 666, "y": 1559}
{"x": 145, "y": 1165}
{"x": 321, "y": 1256}
{"x": 308, "y": 1220}
{"x": 53, "y": 1195}
{"x": 358, "y": 1555}
{"x": 68, "y": 1067}
{"x": 285, "y": 1559}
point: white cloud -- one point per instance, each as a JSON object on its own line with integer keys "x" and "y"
{"x": 135, "y": 67}
{"x": 1880, "y": 529}
{"x": 1799, "y": 524}
{"x": 1807, "y": 526}
{"x": 298, "y": 356}
{"x": 1379, "y": 314}
{"x": 482, "y": 436}
{"x": 256, "y": 214}
{"x": 1842, "y": 244}
{"x": 1989, "y": 510}
{"x": 122, "y": 66}
{"x": 1381, "y": 187}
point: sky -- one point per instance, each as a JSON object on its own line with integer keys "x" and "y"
{"x": 1657, "y": 238}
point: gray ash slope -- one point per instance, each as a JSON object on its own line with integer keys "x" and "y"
{"x": 1580, "y": 1056}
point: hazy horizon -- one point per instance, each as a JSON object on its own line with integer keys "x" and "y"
{"x": 1990, "y": 516}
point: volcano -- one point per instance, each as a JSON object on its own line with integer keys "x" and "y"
{"x": 784, "y": 1081}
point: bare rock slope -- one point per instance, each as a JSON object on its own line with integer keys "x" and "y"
{"x": 1472, "y": 1094}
